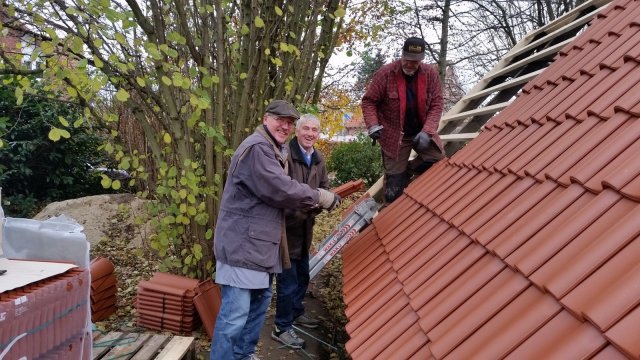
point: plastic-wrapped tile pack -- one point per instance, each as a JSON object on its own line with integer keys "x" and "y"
{"x": 46, "y": 319}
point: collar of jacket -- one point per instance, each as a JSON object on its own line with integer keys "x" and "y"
{"x": 296, "y": 152}
{"x": 421, "y": 85}
{"x": 281, "y": 151}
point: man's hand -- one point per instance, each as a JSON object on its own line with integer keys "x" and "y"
{"x": 328, "y": 200}
{"x": 421, "y": 141}
{"x": 375, "y": 132}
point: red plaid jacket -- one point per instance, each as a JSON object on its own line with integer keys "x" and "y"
{"x": 384, "y": 103}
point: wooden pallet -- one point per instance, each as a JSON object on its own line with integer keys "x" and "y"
{"x": 134, "y": 346}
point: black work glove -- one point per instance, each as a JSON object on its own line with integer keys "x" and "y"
{"x": 376, "y": 134}
{"x": 421, "y": 141}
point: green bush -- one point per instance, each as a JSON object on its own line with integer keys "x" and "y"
{"x": 35, "y": 170}
{"x": 354, "y": 160}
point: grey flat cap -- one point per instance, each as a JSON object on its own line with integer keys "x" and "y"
{"x": 282, "y": 108}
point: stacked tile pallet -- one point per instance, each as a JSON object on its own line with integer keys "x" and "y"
{"x": 45, "y": 319}
{"x": 166, "y": 302}
{"x": 103, "y": 289}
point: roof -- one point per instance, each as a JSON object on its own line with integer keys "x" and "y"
{"x": 356, "y": 122}
{"x": 525, "y": 243}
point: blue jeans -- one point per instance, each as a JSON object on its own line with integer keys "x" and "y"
{"x": 291, "y": 285}
{"x": 239, "y": 322}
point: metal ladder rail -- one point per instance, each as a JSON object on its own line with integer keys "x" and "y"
{"x": 344, "y": 232}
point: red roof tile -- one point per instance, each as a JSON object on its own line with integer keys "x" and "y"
{"x": 524, "y": 244}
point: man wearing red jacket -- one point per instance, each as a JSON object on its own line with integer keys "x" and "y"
{"x": 402, "y": 108}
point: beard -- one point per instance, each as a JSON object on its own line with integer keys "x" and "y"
{"x": 409, "y": 72}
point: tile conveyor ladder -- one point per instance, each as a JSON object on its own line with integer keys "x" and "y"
{"x": 496, "y": 90}
{"x": 344, "y": 232}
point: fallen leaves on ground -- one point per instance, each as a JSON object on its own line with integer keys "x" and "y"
{"x": 135, "y": 264}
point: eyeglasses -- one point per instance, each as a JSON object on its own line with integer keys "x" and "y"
{"x": 284, "y": 119}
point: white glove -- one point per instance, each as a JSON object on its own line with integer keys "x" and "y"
{"x": 328, "y": 200}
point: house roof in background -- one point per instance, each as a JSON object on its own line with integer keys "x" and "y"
{"x": 355, "y": 122}
{"x": 524, "y": 244}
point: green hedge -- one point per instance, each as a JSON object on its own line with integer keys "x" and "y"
{"x": 354, "y": 160}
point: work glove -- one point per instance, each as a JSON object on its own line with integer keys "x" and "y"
{"x": 375, "y": 132}
{"x": 421, "y": 141}
{"x": 328, "y": 200}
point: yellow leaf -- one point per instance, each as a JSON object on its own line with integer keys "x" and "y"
{"x": 77, "y": 123}
{"x": 115, "y": 185}
{"x": 122, "y": 95}
{"x": 64, "y": 133}
{"x": 244, "y": 30}
{"x": 243, "y": 76}
{"x": 63, "y": 121}
{"x": 166, "y": 138}
{"x": 19, "y": 94}
{"x": 267, "y": 52}
{"x": 120, "y": 38}
{"x": 97, "y": 62}
{"x": 166, "y": 80}
{"x": 259, "y": 22}
{"x": 72, "y": 92}
{"x": 278, "y": 11}
{"x": 177, "y": 79}
{"x": 140, "y": 81}
{"x": 54, "y": 134}
{"x": 105, "y": 182}
{"x": 340, "y": 12}
{"x": 182, "y": 193}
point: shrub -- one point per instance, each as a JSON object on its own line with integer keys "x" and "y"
{"x": 35, "y": 170}
{"x": 354, "y": 160}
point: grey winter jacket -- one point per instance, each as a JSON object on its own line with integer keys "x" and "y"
{"x": 299, "y": 222}
{"x": 250, "y": 222}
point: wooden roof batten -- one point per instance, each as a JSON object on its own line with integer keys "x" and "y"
{"x": 526, "y": 60}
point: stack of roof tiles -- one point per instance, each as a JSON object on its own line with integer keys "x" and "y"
{"x": 103, "y": 289}
{"x": 524, "y": 244}
{"x": 46, "y": 319}
{"x": 165, "y": 302}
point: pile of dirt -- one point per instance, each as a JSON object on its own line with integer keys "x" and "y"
{"x": 99, "y": 213}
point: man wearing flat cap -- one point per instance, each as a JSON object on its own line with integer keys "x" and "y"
{"x": 250, "y": 240}
{"x": 402, "y": 108}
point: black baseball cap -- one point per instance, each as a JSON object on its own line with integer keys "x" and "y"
{"x": 413, "y": 49}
